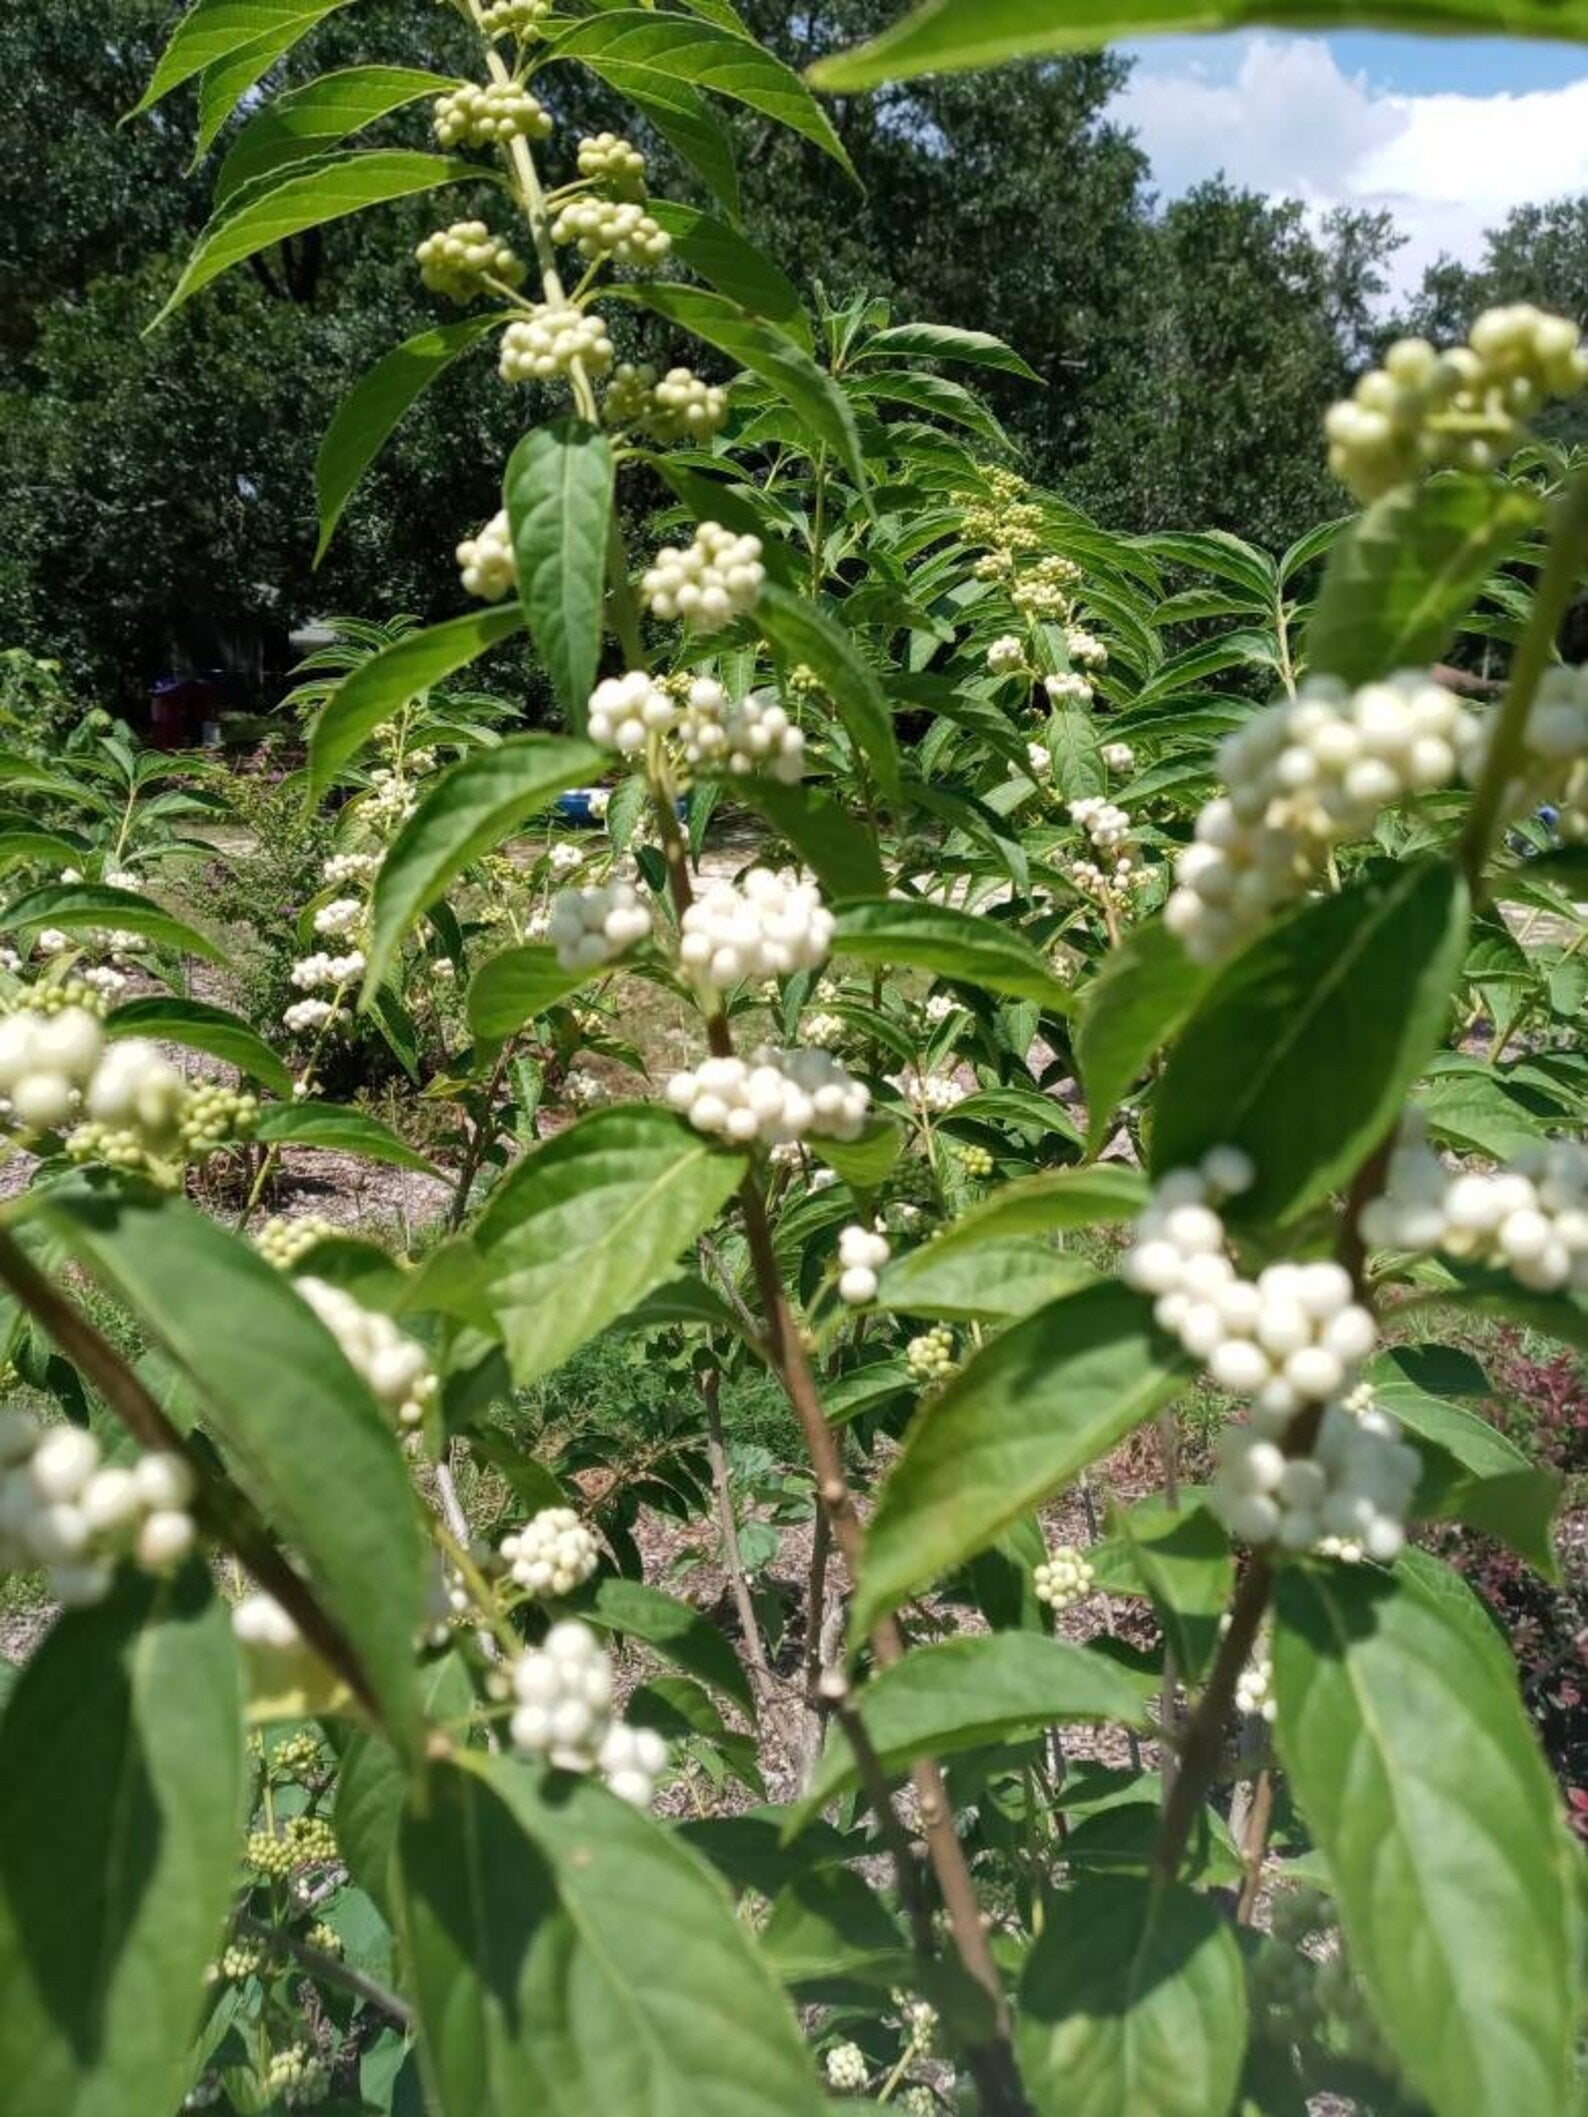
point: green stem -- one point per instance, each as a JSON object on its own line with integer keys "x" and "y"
{"x": 1564, "y": 561}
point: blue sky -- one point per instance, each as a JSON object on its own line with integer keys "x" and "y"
{"x": 1447, "y": 133}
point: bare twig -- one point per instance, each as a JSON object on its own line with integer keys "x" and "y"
{"x": 1254, "y": 1849}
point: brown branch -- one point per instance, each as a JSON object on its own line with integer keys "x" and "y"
{"x": 766, "y": 1682}
{"x": 1204, "y": 1734}
{"x": 330, "y": 1969}
{"x": 219, "y": 1507}
{"x": 875, "y": 1781}
{"x": 1255, "y": 1848}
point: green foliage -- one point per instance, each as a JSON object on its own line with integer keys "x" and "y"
{"x": 726, "y": 1360}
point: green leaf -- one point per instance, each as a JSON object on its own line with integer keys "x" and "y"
{"x": 470, "y": 807}
{"x": 723, "y": 258}
{"x": 84, "y": 909}
{"x": 197, "y": 1026}
{"x": 829, "y": 1924}
{"x": 951, "y": 943}
{"x": 1401, "y": 579}
{"x": 591, "y": 1222}
{"x": 803, "y": 632}
{"x": 558, "y": 495}
{"x": 572, "y": 1958}
{"x": 224, "y": 84}
{"x": 338, "y": 1131}
{"x": 934, "y": 395}
{"x": 1303, "y": 1049}
{"x": 1412, "y": 1759}
{"x": 121, "y": 1786}
{"x": 945, "y": 341}
{"x": 864, "y": 1162}
{"x": 1183, "y": 1558}
{"x": 1133, "y": 1999}
{"x": 333, "y": 187}
{"x": 780, "y": 362}
{"x": 680, "y": 1633}
{"x": 512, "y": 988}
{"x": 689, "y": 125}
{"x": 303, "y": 122}
{"x": 642, "y": 54}
{"x": 838, "y": 847}
{"x": 1472, "y": 1473}
{"x": 388, "y": 680}
{"x": 1144, "y": 991}
{"x": 301, "y": 1433}
{"x": 1011, "y": 1429}
{"x": 967, "y": 1693}
{"x": 367, "y": 415}
{"x": 956, "y": 36}
{"x": 372, "y": 1782}
{"x": 994, "y": 1282}
{"x": 209, "y": 33}
{"x": 1051, "y": 1202}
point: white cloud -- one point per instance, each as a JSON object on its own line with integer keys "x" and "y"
{"x": 1290, "y": 123}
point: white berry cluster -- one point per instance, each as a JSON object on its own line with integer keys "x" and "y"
{"x": 1039, "y": 759}
{"x": 298, "y": 2075}
{"x": 589, "y": 927}
{"x": 514, "y": 18}
{"x": 919, "y": 2101}
{"x": 552, "y": 1554}
{"x": 55, "y": 1065}
{"x": 1118, "y": 756}
{"x": 1064, "y": 1577}
{"x": 1463, "y": 409}
{"x": 709, "y": 582}
{"x": 1043, "y": 591}
{"x": 306, "y": 1017}
{"x": 930, "y": 1357}
{"x": 460, "y": 261}
{"x": 1085, "y": 648}
{"x": 1294, "y": 1336}
{"x": 1303, "y": 775}
{"x": 614, "y": 229}
{"x": 336, "y": 920}
{"x": 564, "y": 1713}
{"x": 489, "y": 114}
{"x": 552, "y": 339}
{"x": 846, "y": 2068}
{"x": 1346, "y": 1498}
{"x": 278, "y": 1658}
{"x": 773, "y": 1098}
{"x": 395, "y": 1367}
{"x": 340, "y": 869}
{"x": 677, "y": 406}
{"x": 825, "y": 1031}
{"x": 751, "y": 734}
{"x": 1254, "y": 1687}
{"x": 1529, "y": 1218}
{"x": 862, "y": 1252}
{"x": 624, "y": 710}
{"x": 931, "y": 1093}
{"x": 1007, "y": 655}
{"x": 1111, "y": 885}
{"x": 321, "y": 969}
{"x": 63, "y": 1509}
{"x": 710, "y": 731}
{"x": 1107, "y": 826}
{"x": 767, "y": 926}
{"x": 487, "y": 561}
{"x": 1069, "y": 689}
{"x": 940, "y": 1006}
{"x": 605, "y": 158}
{"x": 585, "y": 1090}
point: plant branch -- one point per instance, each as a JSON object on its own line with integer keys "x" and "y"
{"x": 766, "y": 1682}
{"x": 219, "y": 1508}
{"x": 330, "y": 1969}
{"x": 1204, "y": 1734}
